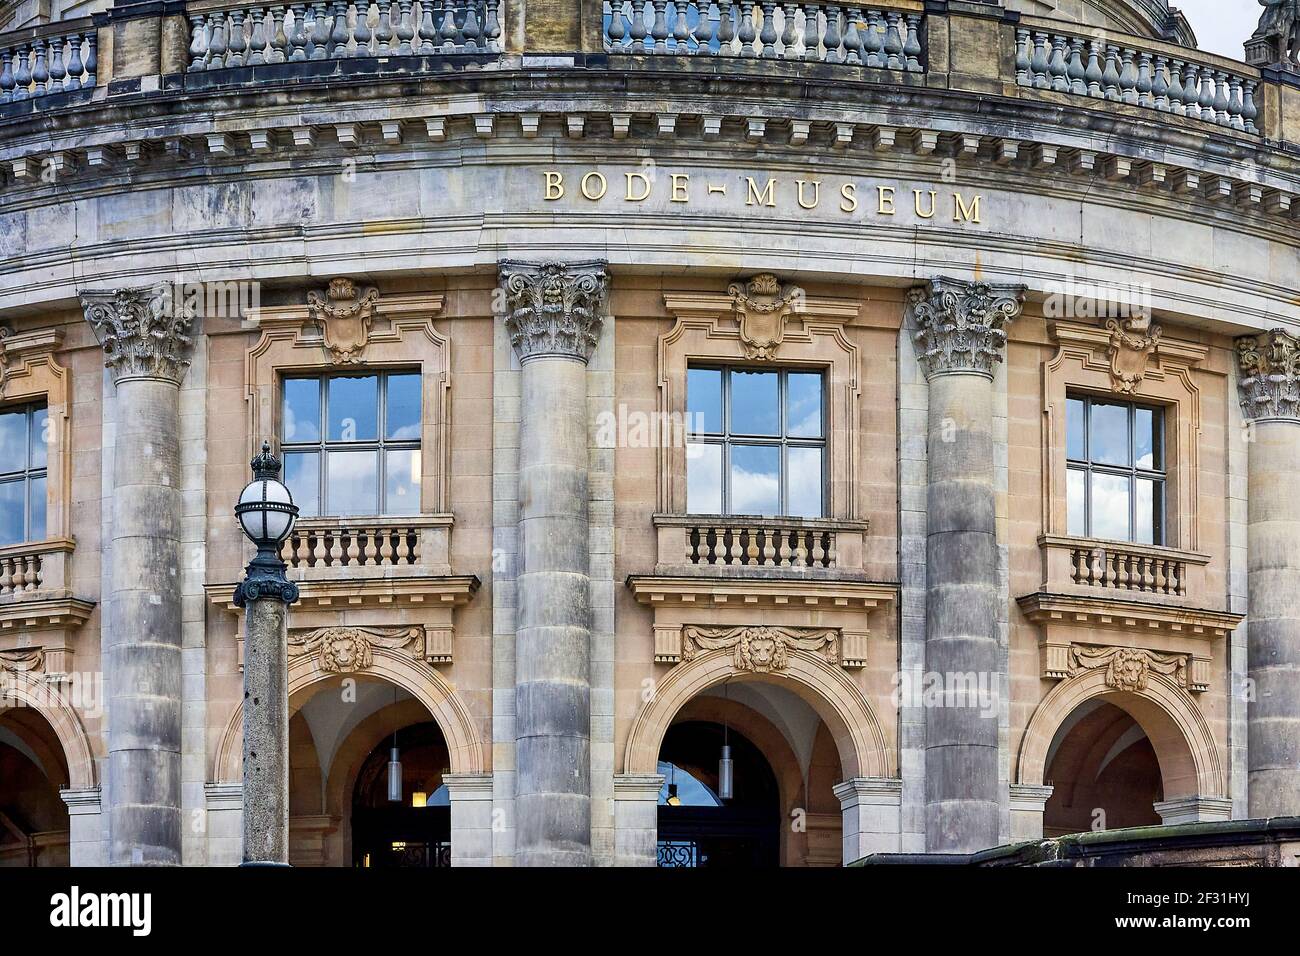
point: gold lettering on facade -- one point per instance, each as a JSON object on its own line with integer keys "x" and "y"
{"x": 917, "y": 193}
{"x": 849, "y": 202}
{"x": 885, "y": 204}
{"x": 679, "y": 181}
{"x": 805, "y": 194}
{"x": 962, "y": 213}
{"x": 766, "y": 198}
{"x": 645, "y": 187}
{"x": 816, "y": 194}
{"x": 554, "y": 185}
{"x": 599, "y": 178}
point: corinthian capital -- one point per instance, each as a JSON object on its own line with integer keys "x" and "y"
{"x": 1269, "y": 383}
{"x": 554, "y": 308}
{"x": 144, "y": 331}
{"x": 961, "y": 326}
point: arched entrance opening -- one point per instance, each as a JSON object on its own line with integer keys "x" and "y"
{"x": 1104, "y": 772}
{"x": 783, "y": 810}
{"x": 415, "y": 830}
{"x": 697, "y": 826}
{"x": 340, "y": 736}
{"x": 33, "y": 769}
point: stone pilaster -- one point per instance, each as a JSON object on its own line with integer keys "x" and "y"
{"x": 636, "y": 818}
{"x": 961, "y": 334}
{"x": 147, "y": 350}
{"x": 1269, "y": 387}
{"x": 871, "y": 809}
{"x": 553, "y": 314}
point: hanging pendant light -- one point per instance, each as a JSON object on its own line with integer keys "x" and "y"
{"x": 726, "y": 769}
{"x": 394, "y": 766}
{"x": 673, "y": 800}
{"x": 394, "y": 774}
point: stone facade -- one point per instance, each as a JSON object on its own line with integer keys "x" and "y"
{"x": 967, "y": 223}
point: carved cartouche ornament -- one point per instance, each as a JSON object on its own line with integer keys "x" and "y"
{"x": 554, "y": 308}
{"x": 961, "y": 326}
{"x": 344, "y": 314}
{"x": 1269, "y": 383}
{"x": 1132, "y": 343}
{"x": 144, "y": 332}
{"x": 762, "y": 307}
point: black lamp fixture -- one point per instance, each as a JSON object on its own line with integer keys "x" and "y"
{"x": 266, "y": 514}
{"x": 394, "y": 766}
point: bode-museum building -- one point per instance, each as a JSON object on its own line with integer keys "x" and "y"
{"x": 724, "y": 434}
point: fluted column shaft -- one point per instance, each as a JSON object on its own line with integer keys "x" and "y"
{"x": 147, "y": 349}
{"x": 960, "y": 336}
{"x": 553, "y": 316}
{"x": 1270, "y": 395}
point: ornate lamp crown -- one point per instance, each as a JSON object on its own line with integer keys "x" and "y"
{"x": 266, "y": 467}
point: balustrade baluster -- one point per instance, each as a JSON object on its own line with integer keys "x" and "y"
{"x": 361, "y": 31}
{"x": 912, "y": 46}
{"x": 6, "y": 76}
{"x": 428, "y": 32}
{"x": 57, "y": 69}
{"x": 472, "y": 30}
{"x": 811, "y": 31}
{"x": 1057, "y": 67}
{"x": 6, "y": 576}
{"x": 1093, "y": 73}
{"x": 1110, "y": 75}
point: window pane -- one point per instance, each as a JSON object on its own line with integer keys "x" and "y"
{"x": 755, "y": 480}
{"x": 13, "y": 441}
{"x": 1074, "y": 444}
{"x": 402, "y": 482}
{"x": 302, "y": 475}
{"x": 40, "y": 437}
{"x": 804, "y": 483}
{"x": 352, "y": 483}
{"x": 36, "y": 531}
{"x": 1076, "y": 490}
{"x": 703, "y": 479}
{"x": 301, "y": 409}
{"x": 1147, "y": 452}
{"x": 754, "y": 403}
{"x": 353, "y": 404}
{"x": 11, "y": 512}
{"x": 803, "y": 417}
{"x": 704, "y": 401}
{"x": 1149, "y": 504}
{"x": 1110, "y": 507}
{"x": 1109, "y": 434}
{"x": 402, "y": 421}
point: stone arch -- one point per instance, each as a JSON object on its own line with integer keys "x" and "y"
{"x": 417, "y": 678}
{"x": 1185, "y": 748}
{"x": 823, "y": 686}
{"x": 49, "y": 701}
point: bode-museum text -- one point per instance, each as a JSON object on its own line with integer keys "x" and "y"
{"x": 848, "y": 196}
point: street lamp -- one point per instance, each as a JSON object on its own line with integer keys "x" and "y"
{"x": 266, "y": 513}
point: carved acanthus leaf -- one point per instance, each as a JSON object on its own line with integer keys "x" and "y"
{"x": 961, "y": 326}
{"x": 144, "y": 332}
{"x": 1269, "y": 380}
{"x": 1127, "y": 668}
{"x": 554, "y": 308}
{"x": 344, "y": 314}
{"x": 762, "y": 306}
{"x": 761, "y": 648}
{"x": 347, "y": 649}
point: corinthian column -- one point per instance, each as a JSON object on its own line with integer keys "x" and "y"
{"x": 553, "y": 316}
{"x": 1269, "y": 386}
{"x": 961, "y": 334}
{"x": 147, "y": 349}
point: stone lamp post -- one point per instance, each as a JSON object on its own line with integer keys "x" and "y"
{"x": 266, "y": 513}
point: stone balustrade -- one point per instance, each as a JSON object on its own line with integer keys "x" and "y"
{"x": 339, "y": 547}
{"x": 1145, "y": 571}
{"x": 851, "y": 34}
{"x": 48, "y": 60}
{"x": 1128, "y": 70}
{"x": 717, "y": 542}
{"x": 252, "y": 35}
{"x": 39, "y": 566}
